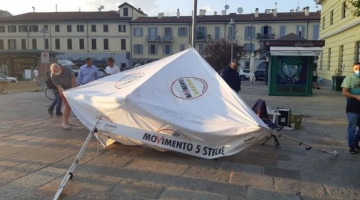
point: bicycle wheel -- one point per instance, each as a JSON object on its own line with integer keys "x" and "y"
{"x": 4, "y": 89}
{"x": 49, "y": 94}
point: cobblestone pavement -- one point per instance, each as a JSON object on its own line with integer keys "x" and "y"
{"x": 35, "y": 153}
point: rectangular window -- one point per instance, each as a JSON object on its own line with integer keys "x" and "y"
{"x": 300, "y": 30}
{"x": 167, "y": 49}
{"x": 168, "y": 34}
{"x": 248, "y": 48}
{"x": 126, "y": 11}
{"x": 2, "y": 29}
{"x": 122, "y": 28}
{"x": 1, "y": 44}
{"x": 12, "y": 43}
{"x": 329, "y": 58}
{"x": 331, "y": 17}
{"x": 201, "y": 33}
{"x": 33, "y": 28}
{"x": 201, "y": 49}
{"x": 93, "y": 43}
{"x": 249, "y": 32}
{"x": 34, "y": 44}
{"x": 282, "y": 31}
{"x": 138, "y": 32}
{"x": 80, "y": 28}
{"x": 69, "y": 43}
{"x": 153, "y": 49}
{"x": 47, "y": 44}
{"x": 68, "y": 28}
{"x": 343, "y": 10}
{"x": 182, "y": 47}
{"x": 57, "y": 28}
{"x": 93, "y": 28}
{"x": 323, "y": 23}
{"x": 182, "y": 31}
{"x": 138, "y": 49}
{"x": 23, "y": 28}
{"x": 11, "y": 29}
{"x": 316, "y": 32}
{"x": 217, "y": 33}
{"x": 23, "y": 43}
{"x": 341, "y": 55}
{"x": 106, "y": 28}
{"x": 57, "y": 43}
{"x": 123, "y": 44}
{"x": 81, "y": 44}
{"x": 357, "y": 51}
{"x": 106, "y": 44}
{"x": 232, "y": 32}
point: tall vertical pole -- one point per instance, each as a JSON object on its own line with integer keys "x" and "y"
{"x": 193, "y": 38}
{"x": 44, "y": 51}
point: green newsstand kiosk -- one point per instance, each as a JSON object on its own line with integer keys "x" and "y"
{"x": 291, "y": 65}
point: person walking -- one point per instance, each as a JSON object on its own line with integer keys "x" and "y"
{"x": 231, "y": 76}
{"x": 111, "y": 68}
{"x": 351, "y": 90}
{"x": 315, "y": 79}
{"x": 63, "y": 78}
{"x": 36, "y": 74}
{"x": 87, "y": 73}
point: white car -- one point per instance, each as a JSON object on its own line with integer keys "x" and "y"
{"x": 244, "y": 74}
{"x": 7, "y": 78}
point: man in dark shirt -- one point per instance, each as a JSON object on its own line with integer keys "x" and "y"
{"x": 231, "y": 76}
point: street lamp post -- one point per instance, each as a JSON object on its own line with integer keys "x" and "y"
{"x": 44, "y": 30}
{"x": 193, "y": 38}
{"x": 232, "y": 23}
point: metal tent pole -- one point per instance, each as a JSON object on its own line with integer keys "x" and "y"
{"x": 69, "y": 173}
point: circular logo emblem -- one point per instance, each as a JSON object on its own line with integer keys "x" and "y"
{"x": 188, "y": 87}
{"x": 128, "y": 80}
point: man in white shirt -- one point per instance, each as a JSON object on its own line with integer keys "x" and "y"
{"x": 36, "y": 74}
{"x": 111, "y": 68}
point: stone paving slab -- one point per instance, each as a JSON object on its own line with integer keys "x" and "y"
{"x": 35, "y": 153}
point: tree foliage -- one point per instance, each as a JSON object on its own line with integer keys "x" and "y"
{"x": 218, "y": 53}
{"x": 356, "y": 5}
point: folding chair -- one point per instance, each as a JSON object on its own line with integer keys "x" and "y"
{"x": 261, "y": 110}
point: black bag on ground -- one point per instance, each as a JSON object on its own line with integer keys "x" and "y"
{"x": 50, "y": 84}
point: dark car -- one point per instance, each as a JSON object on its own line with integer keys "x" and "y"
{"x": 260, "y": 71}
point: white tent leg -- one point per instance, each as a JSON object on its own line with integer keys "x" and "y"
{"x": 69, "y": 173}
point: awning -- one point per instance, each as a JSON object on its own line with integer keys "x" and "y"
{"x": 295, "y": 51}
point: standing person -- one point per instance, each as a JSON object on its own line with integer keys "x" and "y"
{"x": 231, "y": 76}
{"x": 315, "y": 80}
{"x": 351, "y": 90}
{"x": 63, "y": 78}
{"x": 57, "y": 101}
{"x": 87, "y": 73}
{"x": 36, "y": 74}
{"x": 111, "y": 68}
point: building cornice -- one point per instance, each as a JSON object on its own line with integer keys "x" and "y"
{"x": 340, "y": 30}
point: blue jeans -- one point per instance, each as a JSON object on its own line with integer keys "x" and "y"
{"x": 353, "y": 134}
{"x": 57, "y": 101}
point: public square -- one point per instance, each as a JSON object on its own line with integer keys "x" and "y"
{"x": 35, "y": 153}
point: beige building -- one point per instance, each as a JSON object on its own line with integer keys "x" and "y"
{"x": 131, "y": 37}
{"x": 341, "y": 32}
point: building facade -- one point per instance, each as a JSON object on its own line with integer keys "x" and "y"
{"x": 341, "y": 32}
{"x": 131, "y": 37}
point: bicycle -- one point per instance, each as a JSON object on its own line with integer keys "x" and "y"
{"x": 49, "y": 94}
{"x": 4, "y": 87}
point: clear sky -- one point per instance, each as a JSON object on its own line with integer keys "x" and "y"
{"x": 153, "y": 7}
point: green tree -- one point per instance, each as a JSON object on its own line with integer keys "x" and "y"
{"x": 356, "y": 5}
{"x": 218, "y": 53}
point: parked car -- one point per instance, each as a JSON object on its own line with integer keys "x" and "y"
{"x": 260, "y": 71}
{"x": 244, "y": 74}
{"x": 7, "y": 78}
{"x": 102, "y": 72}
